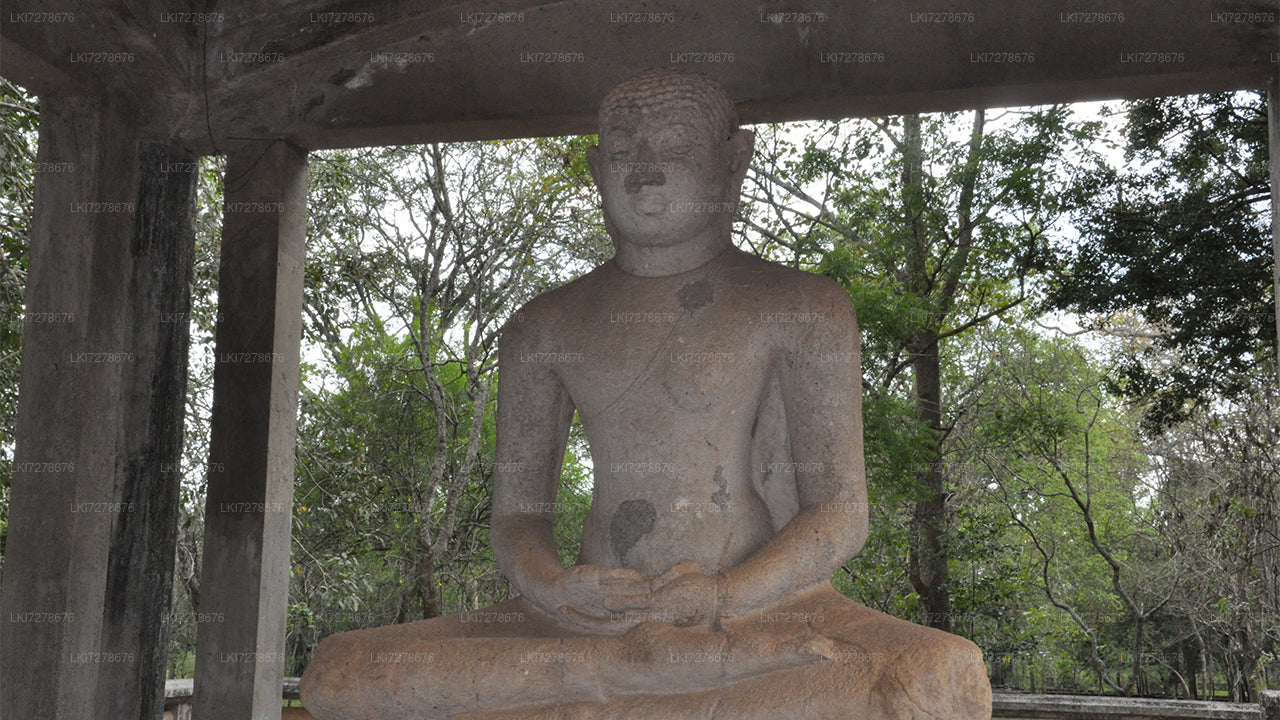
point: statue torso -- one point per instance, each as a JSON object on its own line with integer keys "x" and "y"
{"x": 672, "y": 377}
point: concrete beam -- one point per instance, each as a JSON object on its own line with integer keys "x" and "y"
{"x": 343, "y": 73}
{"x": 305, "y": 31}
{"x": 475, "y": 73}
{"x": 92, "y": 521}
{"x": 128, "y": 47}
{"x": 34, "y": 73}
{"x": 249, "y": 508}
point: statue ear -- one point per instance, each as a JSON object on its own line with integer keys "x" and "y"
{"x": 742, "y": 145}
{"x": 593, "y": 164}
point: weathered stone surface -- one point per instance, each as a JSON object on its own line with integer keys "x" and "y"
{"x": 395, "y": 73}
{"x": 1270, "y": 702}
{"x": 92, "y": 517}
{"x": 720, "y": 395}
{"x": 252, "y": 441}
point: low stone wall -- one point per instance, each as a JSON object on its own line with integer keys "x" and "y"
{"x": 178, "y": 694}
{"x": 1093, "y": 707}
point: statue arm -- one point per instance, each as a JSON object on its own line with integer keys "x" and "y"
{"x": 821, "y": 380}
{"x": 534, "y": 414}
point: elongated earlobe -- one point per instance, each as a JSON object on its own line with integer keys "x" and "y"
{"x": 593, "y": 164}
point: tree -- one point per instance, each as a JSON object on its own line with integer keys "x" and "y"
{"x": 1180, "y": 236}
{"x": 18, "y": 119}
{"x": 418, "y": 255}
{"x": 933, "y": 235}
{"x": 1064, "y": 461}
{"x": 199, "y": 405}
{"x": 1219, "y": 490}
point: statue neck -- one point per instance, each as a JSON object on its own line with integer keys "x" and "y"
{"x": 648, "y": 261}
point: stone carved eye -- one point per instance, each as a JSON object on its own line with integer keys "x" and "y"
{"x": 681, "y": 142}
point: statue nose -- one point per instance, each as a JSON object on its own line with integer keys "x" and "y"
{"x": 646, "y": 170}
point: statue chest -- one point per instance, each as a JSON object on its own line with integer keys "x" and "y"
{"x": 659, "y": 366}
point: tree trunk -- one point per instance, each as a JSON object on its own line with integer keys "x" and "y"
{"x": 1137, "y": 678}
{"x": 427, "y": 588}
{"x": 928, "y": 561}
{"x": 1246, "y": 666}
{"x": 1191, "y": 667}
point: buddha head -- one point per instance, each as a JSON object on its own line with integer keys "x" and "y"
{"x": 671, "y": 159}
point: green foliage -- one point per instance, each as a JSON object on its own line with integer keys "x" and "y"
{"x": 934, "y": 224}
{"x": 1179, "y": 236}
{"x": 573, "y": 498}
{"x": 421, "y": 254}
{"x": 1216, "y": 501}
{"x": 18, "y": 116}
{"x": 1063, "y": 459}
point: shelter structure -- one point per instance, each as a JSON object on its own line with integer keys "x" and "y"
{"x": 132, "y": 92}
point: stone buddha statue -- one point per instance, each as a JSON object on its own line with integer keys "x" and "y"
{"x": 720, "y": 396}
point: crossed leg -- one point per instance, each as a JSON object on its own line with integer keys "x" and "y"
{"x": 875, "y": 666}
{"x": 818, "y": 656}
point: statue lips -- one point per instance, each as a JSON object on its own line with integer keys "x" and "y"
{"x": 649, "y": 203}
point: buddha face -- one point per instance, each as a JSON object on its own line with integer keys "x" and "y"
{"x": 669, "y": 167}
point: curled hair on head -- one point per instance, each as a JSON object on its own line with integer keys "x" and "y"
{"x": 662, "y": 86}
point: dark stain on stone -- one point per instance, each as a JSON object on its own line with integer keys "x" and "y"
{"x": 632, "y": 521}
{"x": 696, "y": 295}
{"x": 341, "y": 76}
{"x": 721, "y": 496}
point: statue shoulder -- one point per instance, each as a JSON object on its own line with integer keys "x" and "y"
{"x": 828, "y": 298}
{"x": 799, "y": 291}
{"x": 545, "y": 312}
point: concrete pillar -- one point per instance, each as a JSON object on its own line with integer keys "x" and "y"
{"x": 245, "y": 579}
{"x": 93, "y": 506}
